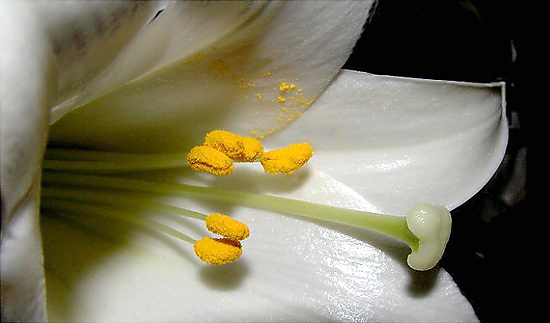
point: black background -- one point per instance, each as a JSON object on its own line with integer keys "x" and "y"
{"x": 476, "y": 41}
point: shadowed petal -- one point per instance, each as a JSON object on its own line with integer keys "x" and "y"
{"x": 33, "y": 33}
{"x": 219, "y": 81}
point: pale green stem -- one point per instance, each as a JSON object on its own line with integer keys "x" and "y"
{"x": 109, "y": 162}
{"x": 120, "y": 199}
{"x": 79, "y": 208}
{"x": 394, "y": 226}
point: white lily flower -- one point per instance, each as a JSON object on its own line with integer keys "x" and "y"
{"x": 103, "y": 76}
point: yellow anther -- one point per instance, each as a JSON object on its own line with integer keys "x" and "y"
{"x": 225, "y": 226}
{"x": 225, "y": 142}
{"x": 218, "y": 251}
{"x": 286, "y": 160}
{"x": 252, "y": 150}
{"x": 238, "y": 148}
{"x": 209, "y": 160}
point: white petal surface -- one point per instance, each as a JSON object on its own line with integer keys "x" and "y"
{"x": 217, "y": 78}
{"x": 24, "y": 93}
{"x": 294, "y": 269}
{"x": 33, "y": 33}
{"x": 25, "y": 89}
{"x": 48, "y": 50}
{"x": 85, "y": 37}
{"x": 405, "y": 141}
{"x": 340, "y": 274}
{"x": 23, "y": 281}
{"x": 291, "y": 270}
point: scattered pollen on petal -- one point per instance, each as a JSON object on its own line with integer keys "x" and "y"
{"x": 225, "y": 226}
{"x": 193, "y": 60}
{"x": 209, "y": 160}
{"x": 286, "y": 160}
{"x": 218, "y": 251}
{"x": 238, "y": 148}
{"x": 283, "y": 87}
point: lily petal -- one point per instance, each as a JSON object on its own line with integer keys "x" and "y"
{"x": 336, "y": 280}
{"x": 40, "y": 43}
{"x": 292, "y": 270}
{"x": 85, "y": 38}
{"x": 307, "y": 270}
{"x": 405, "y": 140}
{"x": 29, "y": 76}
{"x": 219, "y": 81}
{"x": 23, "y": 281}
{"x": 23, "y": 126}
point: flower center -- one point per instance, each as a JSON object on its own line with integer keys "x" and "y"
{"x": 76, "y": 182}
{"x": 215, "y": 156}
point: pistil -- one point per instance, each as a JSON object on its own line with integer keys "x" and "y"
{"x": 425, "y": 228}
{"x": 395, "y": 226}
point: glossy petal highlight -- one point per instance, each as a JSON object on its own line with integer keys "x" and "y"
{"x": 406, "y": 140}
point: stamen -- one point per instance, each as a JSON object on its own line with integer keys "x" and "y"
{"x": 120, "y": 199}
{"x": 395, "y": 226}
{"x": 109, "y": 162}
{"x": 209, "y": 160}
{"x": 80, "y": 209}
{"x": 225, "y": 142}
{"x": 238, "y": 148}
{"x": 252, "y": 150}
{"x": 77, "y": 201}
{"x": 225, "y": 226}
{"x": 286, "y": 160}
{"x": 425, "y": 229}
{"x": 218, "y": 251}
